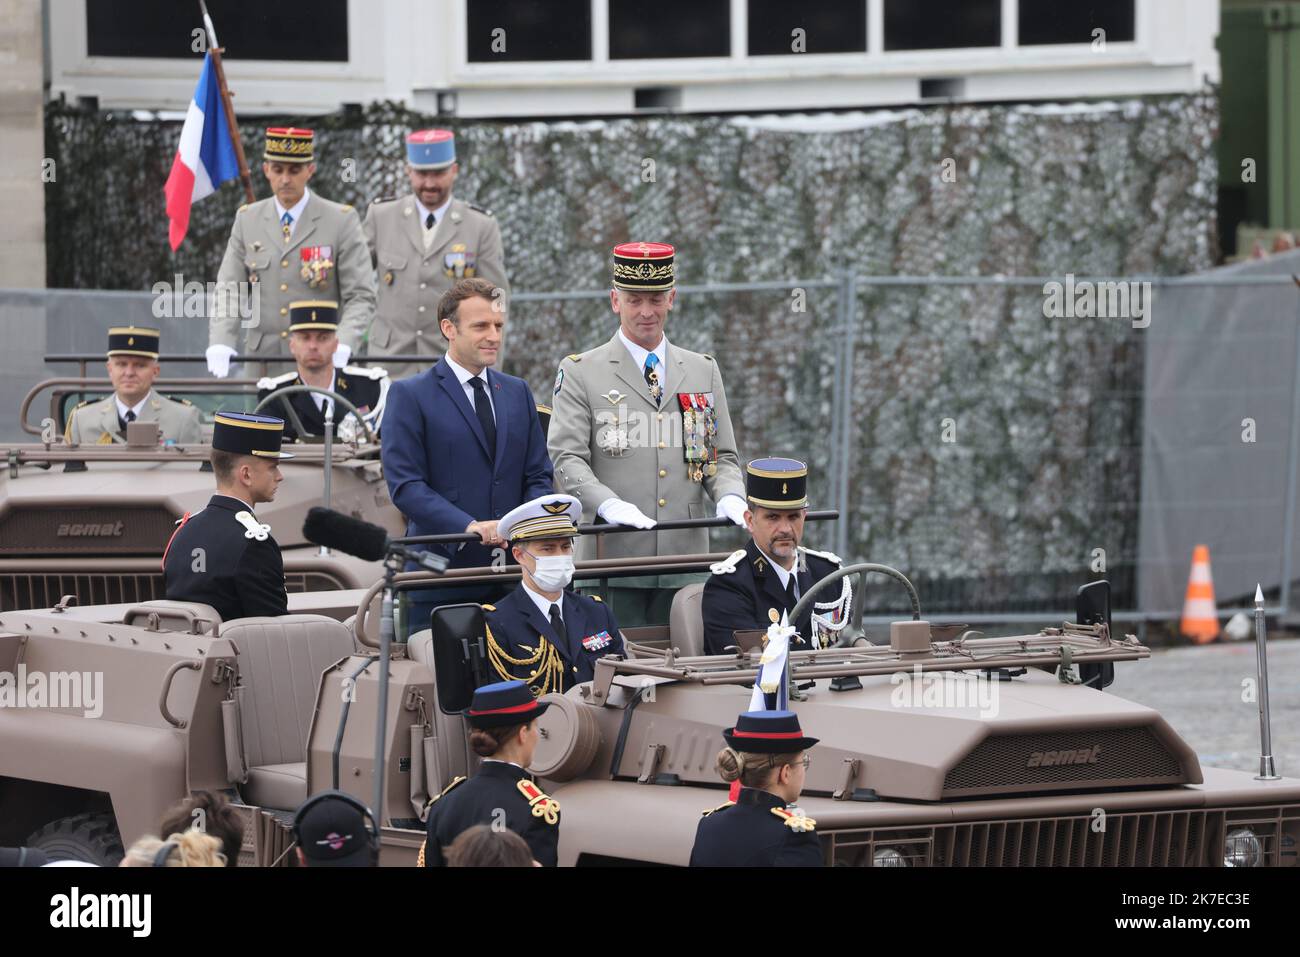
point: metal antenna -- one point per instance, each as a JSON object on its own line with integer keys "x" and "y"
{"x": 1267, "y": 771}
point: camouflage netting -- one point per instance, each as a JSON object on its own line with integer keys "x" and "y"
{"x": 1043, "y": 463}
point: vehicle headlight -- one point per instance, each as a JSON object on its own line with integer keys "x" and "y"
{"x": 888, "y": 857}
{"x": 1242, "y": 849}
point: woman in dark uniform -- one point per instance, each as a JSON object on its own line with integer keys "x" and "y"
{"x": 503, "y": 717}
{"x": 765, "y": 752}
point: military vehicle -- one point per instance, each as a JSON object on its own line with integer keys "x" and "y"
{"x": 92, "y": 521}
{"x": 1056, "y": 772}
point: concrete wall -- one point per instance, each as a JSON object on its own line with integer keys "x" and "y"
{"x": 22, "y": 131}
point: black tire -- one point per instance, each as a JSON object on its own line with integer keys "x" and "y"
{"x": 90, "y": 837}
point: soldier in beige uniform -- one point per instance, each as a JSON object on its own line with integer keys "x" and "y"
{"x": 132, "y": 367}
{"x": 640, "y": 432}
{"x": 420, "y": 244}
{"x": 292, "y": 246}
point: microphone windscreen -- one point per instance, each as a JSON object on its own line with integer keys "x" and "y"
{"x": 349, "y": 535}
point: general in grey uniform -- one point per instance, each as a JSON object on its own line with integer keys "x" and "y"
{"x": 132, "y": 368}
{"x": 292, "y": 246}
{"x": 640, "y": 431}
{"x": 420, "y": 244}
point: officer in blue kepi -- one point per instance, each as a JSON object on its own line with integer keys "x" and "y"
{"x": 223, "y": 556}
{"x": 759, "y": 583}
{"x": 503, "y": 731}
{"x": 541, "y": 633}
{"x": 766, "y": 752}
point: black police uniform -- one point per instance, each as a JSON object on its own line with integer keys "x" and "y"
{"x": 757, "y": 831}
{"x": 360, "y": 386}
{"x": 524, "y": 646}
{"x": 240, "y": 577}
{"x": 743, "y": 599}
{"x": 497, "y": 787}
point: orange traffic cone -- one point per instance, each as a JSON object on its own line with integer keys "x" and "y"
{"x": 1200, "y": 618}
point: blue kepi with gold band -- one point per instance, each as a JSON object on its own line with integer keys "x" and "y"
{"x": 431, "y": 149}
{"x": 133, "y": 341}
{"x": 502, "y": 704}
{"x": 777, "y": 483}
{"x": 248, "y": 433}
{"x": 308, "y": 314}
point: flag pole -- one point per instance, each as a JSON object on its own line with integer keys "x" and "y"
{"x": 244, "y": 175}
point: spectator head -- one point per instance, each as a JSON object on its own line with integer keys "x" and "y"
{"x": 207, "y": 813}
{"x": 334, "y": 829}
{"x": 482, "y": 846}
{"x": 187, "y": 849}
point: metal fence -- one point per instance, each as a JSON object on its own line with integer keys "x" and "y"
{"x": 997, "y": 455}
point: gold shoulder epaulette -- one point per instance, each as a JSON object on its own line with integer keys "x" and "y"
{"x": 346, "y": 207}
{"x": 83, "y": 402}
{"x": 456, "y": 781}
{"x": 544, "y": 408}
{"x": 596, "y": 598}
{"x": 241, "y": 209}
{"x": 720, "y": 807}
{"x": 543, "y": 805}
{"x": 575, "y": 357}
{"x": 799, "y": 823}
{"x": 488, "y": 607}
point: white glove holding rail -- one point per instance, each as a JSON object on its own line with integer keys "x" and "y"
{"x": 219, "y": 360}
{"x": 619, "y": 512}
{"x": 733, "y": 507}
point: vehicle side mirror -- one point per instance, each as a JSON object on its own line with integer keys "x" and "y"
{"x": 459, "y": 654}
{"x": 1092, "y": 607}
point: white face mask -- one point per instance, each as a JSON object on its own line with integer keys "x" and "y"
{"x": 553, "y": 572}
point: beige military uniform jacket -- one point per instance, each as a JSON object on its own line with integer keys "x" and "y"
{"x": 412, "y": 276}
{"x": 607, "y": 439}
{"x": 95, "y": 423}
{"x": 330, "y": 235}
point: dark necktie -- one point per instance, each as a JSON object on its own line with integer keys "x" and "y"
{"x": 483, "y": 408}
{"x": 790, "y": 598}
{"x": 557, "y": 624}
{"x": 429, "y": 221}
{"x": 123, "y": 420}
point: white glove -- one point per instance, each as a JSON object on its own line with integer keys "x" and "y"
{"x": 619, "y": 512}
{"x": 219, "y": 360}
{"x": 734, "y": 508}
{"x": 342, "y": 354}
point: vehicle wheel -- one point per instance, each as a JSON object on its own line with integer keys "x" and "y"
{"x": 90, "y": 837}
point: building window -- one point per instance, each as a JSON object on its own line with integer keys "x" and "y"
{"x": 942, "y": 24}
{"x": 669, "y": 28}
{"x": 246, "y": 29}
{"x": 506, "y": 30}
{"x": 828, "y": 26}
{"x": 1050, "y": 21}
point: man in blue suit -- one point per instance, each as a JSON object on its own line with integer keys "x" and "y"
{"x": 542, "y": 633}
{"x": 464, "y": 445}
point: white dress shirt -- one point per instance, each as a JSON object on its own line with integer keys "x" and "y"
{"x": 781, "y": 573}
{"x": 322, "y": 401}
{"x": 543, "y": 603}
{"x": 424, "y": 212}
{"x": 296, "y": 212}
{"x": 464, "y": 375}
{"x": 638, "y": 354}
{"x": 123, "y": 409}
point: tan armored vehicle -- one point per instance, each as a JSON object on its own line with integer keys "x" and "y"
{"x": 92, "y": 521}
{"x": 1037, "y": 768}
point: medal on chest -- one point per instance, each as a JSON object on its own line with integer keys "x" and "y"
{"x": 699, "y": 434}
{"x": 317, "y": 265}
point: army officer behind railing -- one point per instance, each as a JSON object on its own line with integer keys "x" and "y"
{"x": 132, "y": 368}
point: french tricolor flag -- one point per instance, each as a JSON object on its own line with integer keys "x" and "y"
{"x": 205, "y": 158}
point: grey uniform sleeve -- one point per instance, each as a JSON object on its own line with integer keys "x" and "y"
{"x": 491, "y": 259}
{"x": 569, "y": 440}
{"x": 356, "y": 281}
{"x": 728, "y": 480}
{"x": 223, "y": 327}
{"x": 368, "y": 229}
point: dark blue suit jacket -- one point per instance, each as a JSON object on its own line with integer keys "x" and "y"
{"x": 436, "y": 460}
{"x": 517, "y": 624}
